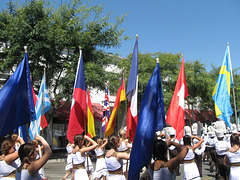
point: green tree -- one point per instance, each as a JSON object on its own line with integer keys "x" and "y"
{"x": 53, "y": 37}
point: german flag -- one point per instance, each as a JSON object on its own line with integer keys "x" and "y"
{"x": 121, "y": 96}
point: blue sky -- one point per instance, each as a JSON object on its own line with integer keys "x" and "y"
{"x": 199, "y": 29}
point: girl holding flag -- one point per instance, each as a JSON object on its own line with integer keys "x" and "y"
{"x": 7, "y": 160}
{"x": 114, "y": 159}
{"x": 78, "y": 156}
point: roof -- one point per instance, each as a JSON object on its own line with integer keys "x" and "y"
{"x": 63, "y": 111}
{"x": 209, "y": 115}
{"x": 196, "y": 114}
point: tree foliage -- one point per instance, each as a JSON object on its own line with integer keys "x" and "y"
{"x": 53, "y": 37}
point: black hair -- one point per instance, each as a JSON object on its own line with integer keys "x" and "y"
{"x": 187, "y": 140}
{"x": 160, "y": 150}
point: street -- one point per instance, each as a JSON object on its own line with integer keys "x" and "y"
{"x": 54, "y": 169}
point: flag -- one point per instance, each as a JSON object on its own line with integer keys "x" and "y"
{"x": 151, "y": 119}
{"x": 106, "y": 110}
{"x": 22, "y": 132}
{"x": 175, "y": 115}
{"x": 78, "y": 112}
{"x": 41, "y": 107}
{"x": 132, "y": 90}
{"x": 91, "y": 126}
{"x": 45, "y": 123}
{"x": 221, "y": 93}
{"x": 121, "y": 96}
{"x": 16, "y": 100}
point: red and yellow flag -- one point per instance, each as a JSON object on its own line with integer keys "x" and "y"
{"x": 121, "y": 96}
{"x": 90, "y": 123}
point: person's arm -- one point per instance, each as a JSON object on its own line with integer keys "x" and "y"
{"x": 200, "y": 141}
{"x": 93, "y": 146}
{"x": 36, "y": 165}
{"x": 174, "y": 162}
{"x": 105, "y": 141}
{"x": 122, "y": 156}
{"x": 13, "y": 156}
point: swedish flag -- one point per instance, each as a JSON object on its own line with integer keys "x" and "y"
{"x": 221, "y": 93}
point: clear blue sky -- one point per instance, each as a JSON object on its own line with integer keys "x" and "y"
{"x": 199, "y": 29}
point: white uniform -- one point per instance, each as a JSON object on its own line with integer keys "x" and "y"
{"x": 69, "y": 158}
{"x": 101, "y": 168}
{"x": 80, "y": 173}
{"x": 162, "y": 173}
{"x": 123, "y": 148}
{"x": 234, "y": 171}
{"x": 191, "y": 169}
{"x": 6, "y": 169}
{"x": 24, "y": 175}
{"x": 112, "y": 165}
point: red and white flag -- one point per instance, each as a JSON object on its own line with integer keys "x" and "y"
{"x": 175, "y": 116}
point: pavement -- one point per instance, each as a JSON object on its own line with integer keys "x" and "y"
{"x": 54, "y": 169}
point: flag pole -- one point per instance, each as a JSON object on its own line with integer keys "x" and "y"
{"x": 39, "y": 148}
{"x": 234, "y": 100}
{"x": 42, "y": 117}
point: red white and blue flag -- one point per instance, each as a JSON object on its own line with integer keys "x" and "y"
{"x": 78, "y": 112}
{"x": 106, "y": 110}
{"x": 132, "y": 90}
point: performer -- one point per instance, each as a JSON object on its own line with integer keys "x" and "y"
{"x": 125, "y": 147}
{"x": 29, "y": 165}
{"x": 190, "y": 167}
{"x": 114, "y": 159}
{"x": 163, "y": 168}
{"x": 101, "y": 168}
{"x": 173, "y": 150}
{"x": 221, "y": 150}
{"x": 69, "y": 166}
{"x": 78, "y": 156}
{"x": 8, "y": 165}
{"x": 232, "y": 158}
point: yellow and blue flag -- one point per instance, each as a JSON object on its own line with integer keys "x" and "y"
{"x": 221, "y": 93}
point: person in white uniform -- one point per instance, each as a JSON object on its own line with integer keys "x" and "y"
{"x": 232, "y": 158}
{"x": 29, "y": 168}
{"x": 124, "y": 147}
{"x": 162, "y": 168}
{"x": 8, "y": 159}
{"x": 78, "y": 156}
{"x": 69, "y": 167}
{"x": 101, "y": 168}
{"x": 190, "y": 167}
{"x": 221, "y": 150}
{"x": 114, "y": 159}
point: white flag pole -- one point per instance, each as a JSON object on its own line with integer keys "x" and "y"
{"x": 234, "y": 100}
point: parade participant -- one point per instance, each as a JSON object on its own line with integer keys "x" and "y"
{"x": 8, "y": 165}
{"x": 198, "y": 151}
{"x": 232, "y": 158}
{"x": 17, "y": 146}
{"x": 101, "y": 168}
{"x": 88, "y": 162}
{"x": 78, "y": 156}
{"x": 221, "y": 150}
{"x": 212, "y": 140}
{"x": 69, "y": 166}
{"x": 29, "y": 165}
{"x": 163, "y": 168}
{"x": 35, "y": 143}
{"x": 173, "y": 151}
{"x": 125, "y": 147}
{"x": 114, "y": 159}
{"x": 190, "y": 167}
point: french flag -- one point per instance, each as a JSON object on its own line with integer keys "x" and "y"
{"x": 78, "y": 112}
{"x": 132, "y": 90}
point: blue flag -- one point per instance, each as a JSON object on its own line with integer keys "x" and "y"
{"x": 22, "y": 132}
{"x": 221, "y": 93}
{"x": 151, "y": 119}
{"x": 16, "y": 99}
{"x": 42, "y": 106}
